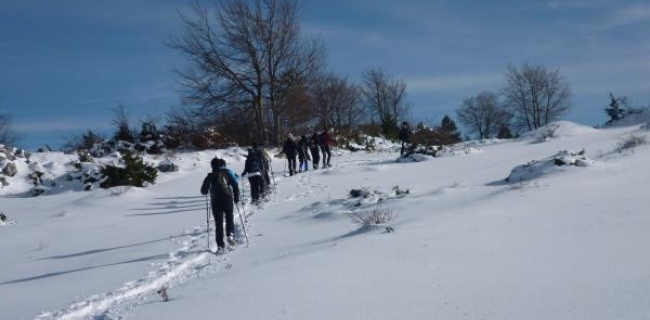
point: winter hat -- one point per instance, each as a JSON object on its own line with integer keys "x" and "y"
{"x": 217, "y": 163}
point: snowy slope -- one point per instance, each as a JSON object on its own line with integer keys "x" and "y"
{"x": 566, "y": 243}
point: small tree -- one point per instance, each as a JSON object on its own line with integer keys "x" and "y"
{"x": 614, "y": 110}
{"x": 121, "y": 122}
{"x": 85, "y": 141}
{"x": 483, "y": 115}
{"x": 384, "y": 98}
{"x": 504, "y": 132}
{"x": 447, "y": 133}
{"x": 336, "y": 103}
{"x": 535, "y": 96}
{"x": 7, "y": 135}
{"x": 134, "y": 173}
{"x": 424, "y": 135}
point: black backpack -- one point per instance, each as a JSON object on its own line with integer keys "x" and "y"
{"x": 219, "y": 184}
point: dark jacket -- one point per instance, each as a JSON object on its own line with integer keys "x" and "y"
{"x": 217, "y": 182}
{"x": 404, "y": 134}
{"x": 303, "y": 149}
{"x": 252, "y": 164}
{"x": 261, "y": 156}
{"x": 290, "y": 148}
{"x": 313, "y": 147}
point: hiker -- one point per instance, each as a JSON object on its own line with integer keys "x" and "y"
{"x": 222, "y": 185}
{"x": 253, "y": 170}
{"x": 290, "y": 150}
{"x": 303, "y": 154}
{"x": 313, "y": 148}
{"x": 325, "y": 148}
{"x": 265, "y": 166}
{"x": 404, "y": 136}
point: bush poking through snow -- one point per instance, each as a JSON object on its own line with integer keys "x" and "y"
{"x": 547, "y": 134}
{"x": 630, "y": 142}
{"x": 398, "y": 192}
{"x": 359, "y": 193}
{"x": 376, "y": 217}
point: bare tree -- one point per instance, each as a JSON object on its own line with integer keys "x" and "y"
{"x": 290, "y": 60}
{"x": 238, "y": 53}
{"x": 535, "y": 96}
{"x": 385, "y": 98}
{"x": 336, "y": 102}
{"x": 483, "y": 115}
{"x": 292, "y": 110}
{"x": 7, "y": 136}
{"x": 123, "y": 130}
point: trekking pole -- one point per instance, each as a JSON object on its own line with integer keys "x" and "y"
{"x": 243, "y": 225}
{"x": 207, "y": 219}
{"x": 272, "y": 178}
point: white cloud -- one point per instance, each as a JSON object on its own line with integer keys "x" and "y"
{"x": 637, "y": 13}
{"x": 628, "y": 15}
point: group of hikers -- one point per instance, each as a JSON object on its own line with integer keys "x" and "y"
{"x": 307, "y": 149}
{"x": 223, "y": 186}
{"x": 222, "y": 183}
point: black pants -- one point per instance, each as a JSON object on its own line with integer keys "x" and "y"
{"x": 326, "y": 156}
{"x": 266, "y": 180}
{"x": 223, "y": 208}
{"x": 315, "y": 156}
{"x": 292, "y": 165}
{"x": 257, "y": 187}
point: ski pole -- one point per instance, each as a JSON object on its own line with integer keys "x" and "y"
{"x": 207, "y": 219}
{"x": 243, "y": 225}
{"x": 273, "y": 178}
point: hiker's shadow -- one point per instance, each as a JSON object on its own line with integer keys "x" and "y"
{"x": 171, "y": 206}
{"x": 59, "y": 273}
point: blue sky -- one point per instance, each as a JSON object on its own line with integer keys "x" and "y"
{"x": 65, "y": 64}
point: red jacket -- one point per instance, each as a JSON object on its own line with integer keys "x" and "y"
{"x": 325, "y": 138}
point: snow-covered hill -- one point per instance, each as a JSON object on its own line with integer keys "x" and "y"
{"x": 556, "y": 240}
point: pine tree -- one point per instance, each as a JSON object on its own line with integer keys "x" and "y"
{"x": 504, "y": 132}
{"x": 448, "y": 131}
{"x": 134, "y": 173}
{"x": 614, "y": 111}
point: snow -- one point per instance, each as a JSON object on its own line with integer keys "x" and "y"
{"x": 561, "y": 242}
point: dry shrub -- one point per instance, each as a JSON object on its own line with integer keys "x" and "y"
{"x": 376, "y": 217}
{"x": 630, "y": 142}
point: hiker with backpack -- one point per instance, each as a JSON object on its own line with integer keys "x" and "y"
{"x": 325, "y": 148}
{"x": 221, "y": 183}
{"x": 404, "y": 136}
{"x": 253, "y": 170}
{"x": 265, "y": 166}
{"x": 290, "y": 150}
{"x": 313, "y": 148}
{"x": 303, "y": 154}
